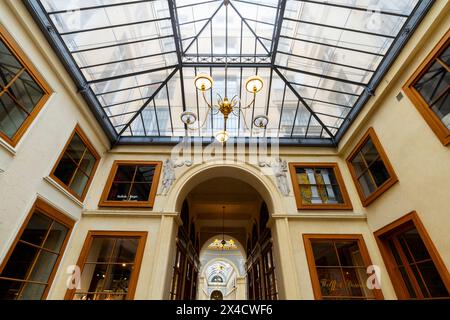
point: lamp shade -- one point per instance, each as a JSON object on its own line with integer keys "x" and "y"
{"x": 222, "y": 136}
{"x": 254, "y": 84}
{"x": 203, "y": 82}
{"x": 261, "y": 121}
{"x": 188, "y": 117}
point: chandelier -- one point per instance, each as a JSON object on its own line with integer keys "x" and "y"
{"x": 225, "y": 106}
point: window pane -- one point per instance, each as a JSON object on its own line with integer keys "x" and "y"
{"x": 26, "y": 91}
{"x": 119, "y": 191}
{"x": 125, "y": 250}
{"x": 358, "y": 164}
{"x": 9, "y": 66}
{"x": 366, "y": 184}
{"x": 395, "y": 253}
{"x": 416, "y": 245}
{"x": 32, "y": 291}
{"x": 349, "y": 254}
{"x": 101, "y": 249}
{"x": 9, "y": 289}
{"x": 433, "y": 82}
{"x": 36, "y": 229}
{"x": 140, "y": 192}
{"x": 356, "y": 282}
{"x": 433, "y": 279}
{"x": 88, "y": 162}
{"x": 43, "y": 267}
{"x": 419, "y": 280}
{"x": 79, "y": 182}
{"x": 442, "y": 109}
{"x": 56, "y": 237}
{"x": 379, "y": 172}
{"x": 324, "y": 253}
{"x": 20, "y": 261}
{"x": 76, "y": 148}
{"x": 65, "y": 169}
{"x": 118, "y": 278}
{"x": 145, "y": 174}
{"x": 407, "y": 282}
{"x": 369, "y": 151}
{"x": 125, "y": 173}
{"x": 93, "y": 278}
{"x": 11, "y": 116}
{"x": 331, "y": 282}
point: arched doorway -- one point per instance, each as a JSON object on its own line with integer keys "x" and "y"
{"x": 216, "y": 295}
{"x": 225, "y": 201}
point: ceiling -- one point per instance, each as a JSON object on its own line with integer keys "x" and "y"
{"x": 134, "y": 62}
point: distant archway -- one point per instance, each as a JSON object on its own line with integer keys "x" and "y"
{"x": 216, "y": 295}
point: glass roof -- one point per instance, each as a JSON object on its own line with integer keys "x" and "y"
{"x": 135, "y": 61}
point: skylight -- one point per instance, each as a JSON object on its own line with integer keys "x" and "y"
{"x": 135, "y": 61}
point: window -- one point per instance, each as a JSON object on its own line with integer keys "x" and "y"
{"x": 415, "y": 267}
{"x": 338, "y": 267}
{"x": 109, "y": 263}
{"x": 429, "y": 89}
{"x": 131, "y": 184}
{"x": 22, "y": 90}
{"x": 76, "y": 166}
{"x": 319, "y": 186}
{"x": 30, "y": 265}
{"x": 370, "y": 168}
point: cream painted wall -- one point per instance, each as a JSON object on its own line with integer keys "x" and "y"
{"x": 421, "y": 162}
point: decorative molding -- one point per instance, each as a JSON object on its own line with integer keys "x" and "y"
{"x": 315, "y": 215}
{"x": 64, "y": 191}
{"x": 279, "y": 169}
{"x": 169, "y": 176}
{"x": 128, "y": 213}
{"x": 8, "y": 147}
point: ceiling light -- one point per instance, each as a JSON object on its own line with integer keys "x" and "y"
{"x": 254, "y": 84}
{"x": 203, "y": 82}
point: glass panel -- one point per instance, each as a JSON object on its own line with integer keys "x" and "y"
{"x": 368, "y": 187}
{"x": 119, "y": 191}
{"x": 118, "y": 279}
{"x": 56, "y": 237}
{"x": 101, "y": 249}
{"x": 93, "y": 279}
{"x": 433, "y": 279}
{"x": 369, "y": 151}
{"x": 140, "y": 192}
{"x": 331, "y": 282}
{"x": 125, "y": 173}
{"x": 422, "y": 285}
{"x": 9, "y": 66}
{"x": 433, "y": 82}
{"x": 144, "y": 174}
{"x": 358, "y": 164}
{"x": 65, "y": 169}
{"x": 415, "y": 243}
{"x": 36, "y": 229}
{"x": 43, "y": 267}
{"x": 9, "y": 289}
{"x": 32, "y": 291}
{"x": 125, "y": 250}
{"x": 324, "y": 253}
{"x": 445, "y": 56}
{"x": 79, "y": 182}
{"x": 76, "y": 148}
{"x": 11, "y": 116}
{"x": 20, "y": 262}
{"x": 26, "y": 91}
{"x": 356, "y": 281}
{"x": 395, "y": 253}
{"x": 379, "y": 172}
{"x": 442, "y": 109}
{"x": 407, "y": 282}
{"x": 88, "y": 162}
{"x": 349, "y": 254}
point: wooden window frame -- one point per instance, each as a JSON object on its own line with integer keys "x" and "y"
{"x": 48, "y": 210}
{"x": 439, "y": 129}
{"x": 18, "y": 53}
{"x": 94, "y": 152}
{"x": 92, "y": 234}
{"x": 346, "y": 205}
{"x": 378, "y": 294}
{"x": 395, "y": 227}
{"x": 104, "y": 202}
{"x": 370, "y": 134}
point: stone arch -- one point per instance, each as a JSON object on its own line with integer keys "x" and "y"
{"x": 194, "y": 176}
